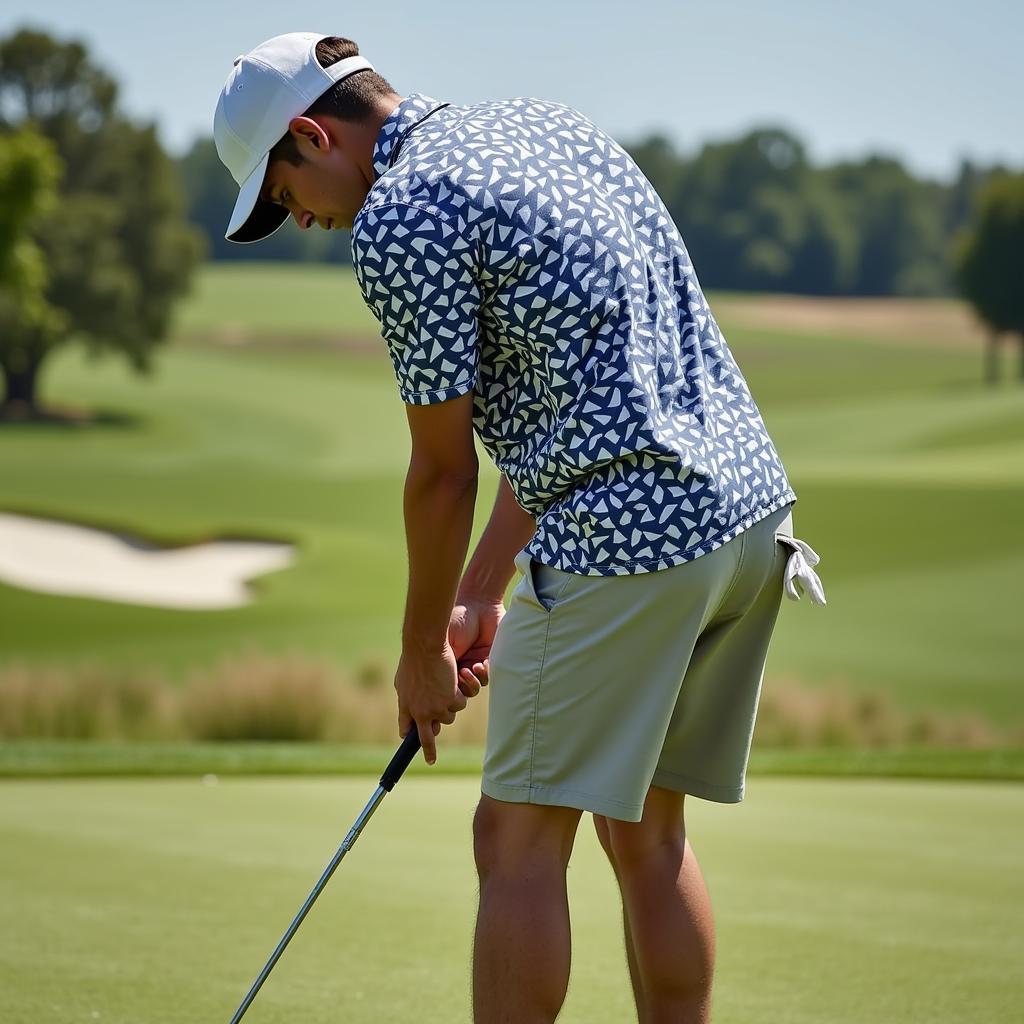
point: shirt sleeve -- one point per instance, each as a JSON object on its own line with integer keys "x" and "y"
{"x": 417, "y": 274}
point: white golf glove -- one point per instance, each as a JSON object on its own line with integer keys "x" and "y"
{"x": 799, "y": 568}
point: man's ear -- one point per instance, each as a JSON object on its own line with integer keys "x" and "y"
{"x": 310, "y": 137}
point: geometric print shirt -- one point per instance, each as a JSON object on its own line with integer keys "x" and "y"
{"x": 513, "y": 249}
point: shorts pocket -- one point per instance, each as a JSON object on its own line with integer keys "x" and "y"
{"x": 542, "y": 585}
{"x": 549, "y": 583}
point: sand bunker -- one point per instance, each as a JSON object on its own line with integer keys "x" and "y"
{"x": 60, "y": 558}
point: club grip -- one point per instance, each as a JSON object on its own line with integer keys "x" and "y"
{"x": 402, "y": 759}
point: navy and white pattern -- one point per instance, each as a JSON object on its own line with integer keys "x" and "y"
{"x": 514, "y": 249}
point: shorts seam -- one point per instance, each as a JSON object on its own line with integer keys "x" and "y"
{"x": 709, "y": 787}
{"x": 742, "y": 537}
{"x": 540, "y": 681}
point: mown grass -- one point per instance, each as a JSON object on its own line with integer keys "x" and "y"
{"x": 67, "y": 758}
{"x": 237, "y": 302}
{"x": 848, "y": 901}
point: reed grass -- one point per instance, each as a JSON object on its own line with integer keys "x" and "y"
{"x": 292, "y": 697}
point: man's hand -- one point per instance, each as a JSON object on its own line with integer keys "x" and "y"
{"x": 428, "y": 695}
{"x": 471, "y": 631}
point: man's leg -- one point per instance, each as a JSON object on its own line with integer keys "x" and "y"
{"x": 670, "y": 940}
{"x": 522, "y": 949}
{"x": 605, "y": 837}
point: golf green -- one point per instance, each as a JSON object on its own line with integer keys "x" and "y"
{"x": 839, "y": 901}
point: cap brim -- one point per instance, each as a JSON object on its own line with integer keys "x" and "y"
{"x": 252, "y": 219}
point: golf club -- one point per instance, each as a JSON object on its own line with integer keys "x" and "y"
{"x": 402, "y": 759}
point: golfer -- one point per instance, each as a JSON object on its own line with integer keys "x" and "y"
{"x": 532, "y": 289}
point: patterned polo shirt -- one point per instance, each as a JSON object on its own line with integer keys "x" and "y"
{"x": 514, "y": 249}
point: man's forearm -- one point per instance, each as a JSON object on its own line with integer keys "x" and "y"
{"x": 507, "y": 532}
{"x": 438, "y": 526}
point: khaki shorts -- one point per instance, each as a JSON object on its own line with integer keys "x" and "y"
{"x": 603, "y": 685}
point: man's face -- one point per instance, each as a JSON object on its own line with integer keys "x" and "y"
{"x": 328, "y": 188}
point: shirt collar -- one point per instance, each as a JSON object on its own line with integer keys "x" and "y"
{"x": 412, "y": 109}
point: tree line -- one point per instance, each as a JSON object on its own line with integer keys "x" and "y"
{"x": 755, "y": 215}
{"x": 101, "y": 231}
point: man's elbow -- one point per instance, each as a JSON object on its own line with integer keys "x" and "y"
{"x": 460, "y": 475}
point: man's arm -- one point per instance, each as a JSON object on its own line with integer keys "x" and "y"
{"x": 439, "y": 499}
{"x": 507, "y": 532}
{"x": 440, "y": 494}
{"x": 450, "y": 624}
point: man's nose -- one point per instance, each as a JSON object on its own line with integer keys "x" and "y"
{"x": 303, "y": 218}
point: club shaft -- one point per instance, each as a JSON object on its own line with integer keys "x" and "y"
{"x": 346, "y": 845}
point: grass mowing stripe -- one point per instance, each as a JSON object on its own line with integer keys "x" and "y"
{"x": 54, "y": 759}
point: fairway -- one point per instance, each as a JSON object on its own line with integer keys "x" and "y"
{"x": 909, "y": 475}
{"x": 847, "y": 902}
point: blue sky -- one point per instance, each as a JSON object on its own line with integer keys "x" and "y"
{"x": 925, "y": 82}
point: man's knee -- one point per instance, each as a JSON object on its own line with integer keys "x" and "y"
{"x": 660, "y": 834}
{"x": 638, "y": 854}
{"x": 508, "y": 836}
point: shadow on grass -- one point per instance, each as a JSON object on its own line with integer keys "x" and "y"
{"x": 15, "y": 419}
{"x": 154, "y": 540}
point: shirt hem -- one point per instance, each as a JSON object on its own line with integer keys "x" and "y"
{"x": 437, "y": 394}
{"x": 667, "y": 561}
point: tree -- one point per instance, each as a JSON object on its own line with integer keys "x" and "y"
{"x": 117, "y": 251}
{"x": 757, "y": 216}
{"x": 989, "y": 264}
{"x": 900, "y": 226}
{"x": 29, "y": 169}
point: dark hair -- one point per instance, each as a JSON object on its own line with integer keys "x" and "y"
{"x": 352, "y": 99}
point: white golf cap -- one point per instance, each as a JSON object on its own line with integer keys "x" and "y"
{"x": 267, "y": 87}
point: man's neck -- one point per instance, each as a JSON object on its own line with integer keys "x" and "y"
{"x": 372, "y": 125}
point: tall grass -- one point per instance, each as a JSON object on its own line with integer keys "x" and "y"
{"x": 85, "y": 703}
{"x": 294, "y": 698}
{"x": 791, "y": 715}
{"x": 246, "y": 697}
